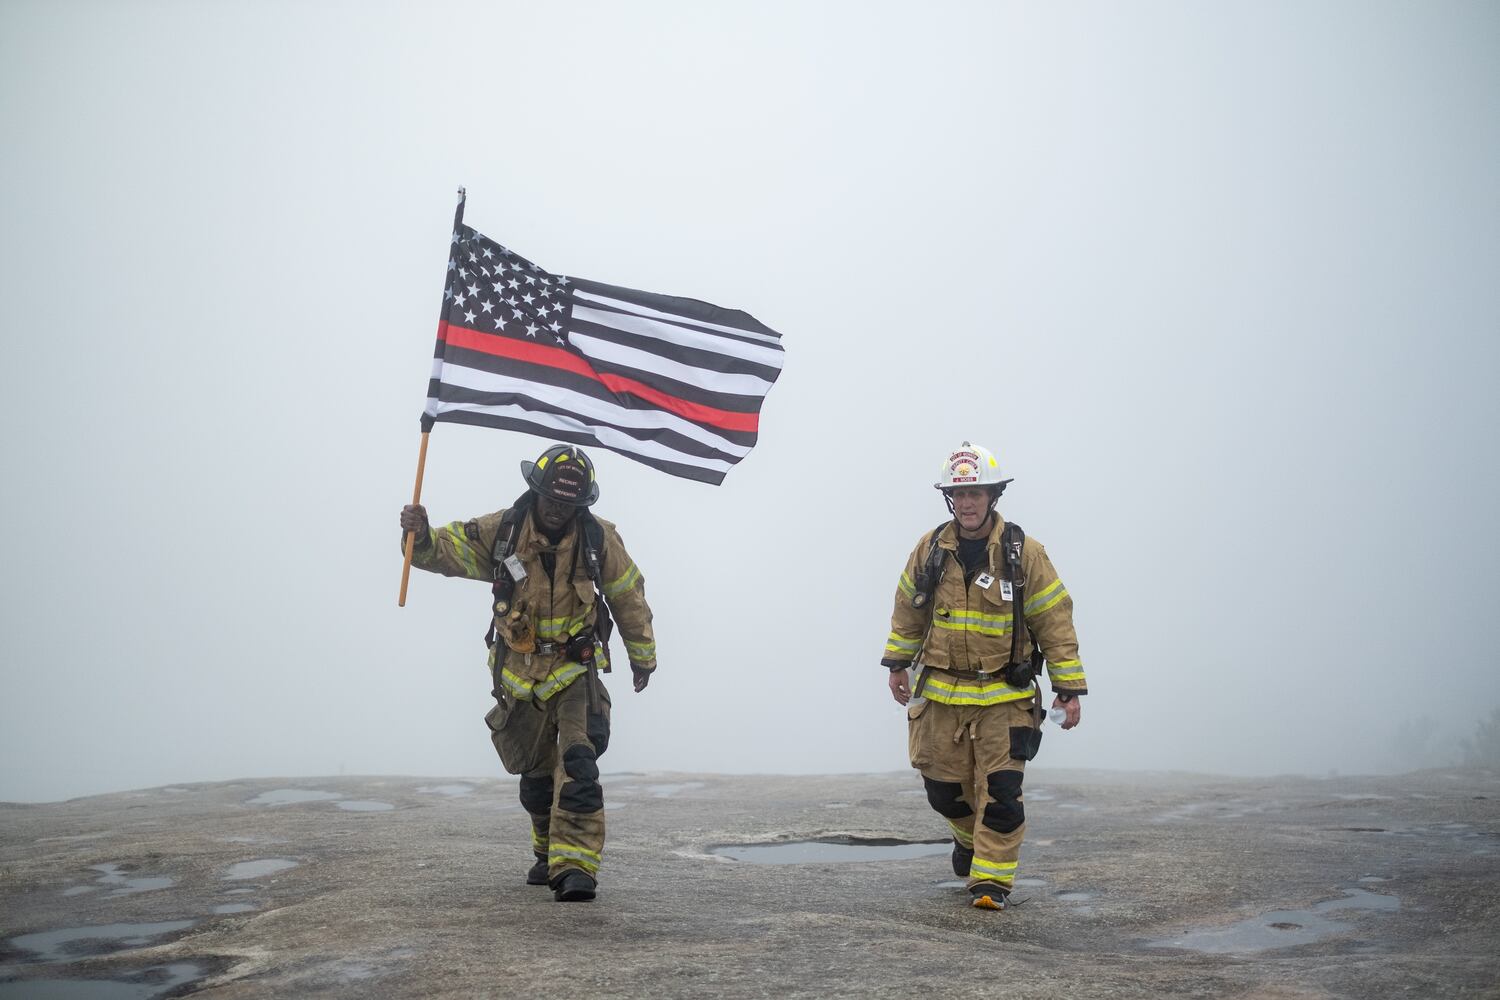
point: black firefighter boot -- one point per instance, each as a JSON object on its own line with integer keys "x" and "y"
{"x": 537, "y": 873}
{"x": 573, "y": 886}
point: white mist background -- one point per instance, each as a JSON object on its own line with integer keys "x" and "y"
{"x": 1216, "y": 282}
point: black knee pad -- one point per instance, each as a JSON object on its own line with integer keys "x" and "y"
{"x": 579, "y": 762}
{"x": 582, "y": 794}
{"x": 1006, "y": 812}
{"x": 947, "y": 797}
{"x": 536, "y": 795}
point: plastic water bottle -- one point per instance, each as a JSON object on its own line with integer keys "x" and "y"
{"x": 1058, "y": 714}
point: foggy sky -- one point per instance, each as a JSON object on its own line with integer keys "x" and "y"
{"x": 1217, "y": 282}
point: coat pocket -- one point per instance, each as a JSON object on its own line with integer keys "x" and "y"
{"x": 1025, "y": 741}
{"x": 918, "y": 737}
{"x": 517, "y": 729}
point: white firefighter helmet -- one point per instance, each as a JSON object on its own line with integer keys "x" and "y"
{"x": 970, "y": 465}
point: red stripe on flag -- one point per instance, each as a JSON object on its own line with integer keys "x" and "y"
{"x": 556, "y": 357}
{"x": 693, "y": 411}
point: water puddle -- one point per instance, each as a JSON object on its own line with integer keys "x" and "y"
{"x": 798, "y": 852}
{"x": 258, "y": 869}
{"x": 79, "y": 890}
{"x": 952, "y": 883}
{"x": 449, "y": 790}
{"x": 1075, "y": 897}
{"x": 365, "y": 807}
{"x": 144, "y": 985}
{"x": 88, "y": 942}
{"x": 1281, "y": 928}
{"x": 124, "y": 884}
{"x": 287, "y": 796}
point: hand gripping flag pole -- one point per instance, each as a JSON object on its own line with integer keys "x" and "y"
{"x": 427, "y": 421}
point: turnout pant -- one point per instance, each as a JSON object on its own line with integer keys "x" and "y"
{"x": 555, "y": 745}
{"x": 964, "y": 754}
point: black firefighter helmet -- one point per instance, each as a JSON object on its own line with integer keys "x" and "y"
{"x": 563, "y": 473}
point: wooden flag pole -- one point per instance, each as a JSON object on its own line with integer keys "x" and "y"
{"x": 411, "y": 536}
{"x": 416, "y": 493}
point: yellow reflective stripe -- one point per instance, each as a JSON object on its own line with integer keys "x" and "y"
{"x": 970, "y": 621}
{"x": 898, "y": 643}
{"x": 906, "y": 586}
{"x": 552, "y": 628}
{"x": 1047, "y": 599}
{"x": 625, "y": 582}
{"x": 964, "y": 837}
{"x": 583, "y": 857}
{"x": 557, "y": 680}
{"x": 991, "y": 693}
{"x": 462, "y": 550}
{"x": 515, "y": 684}
{"x": 640, "y": 650}
{"x": 538, "y": 842}
{"x": 1065, "y": 670}
{"x": 993, "y": 871}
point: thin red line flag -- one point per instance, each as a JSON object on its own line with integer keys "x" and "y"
{"x": 671, "y": 382}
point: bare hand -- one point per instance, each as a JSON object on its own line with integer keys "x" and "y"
{"x": 414, "y": 518}
{"x": 1074, "y": 708}
{"x": 900, "y": 686}
{"x": 642, "y": 678}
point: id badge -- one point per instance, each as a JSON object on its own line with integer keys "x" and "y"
{"x": 984, "y": 580}
{"x": 1007, "y": 592}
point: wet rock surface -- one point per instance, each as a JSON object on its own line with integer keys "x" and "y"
{"x": 1132, "y": 885}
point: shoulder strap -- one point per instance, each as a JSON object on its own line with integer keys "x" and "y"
{"x": 930, "y": 572}
{"x": 593, "y": 545}
{"x": 1012, "y": 541}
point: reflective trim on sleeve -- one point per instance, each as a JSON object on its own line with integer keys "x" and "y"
{"x": 461, "y": 549}
{"x": 626, "y": 581}
{"x": 640, "y": 650}
{"x": 1047, "y": 599}
{"x": 1065, "y": 670}
{"x": 898, "y": 644}
{"x": 906, "y": 586}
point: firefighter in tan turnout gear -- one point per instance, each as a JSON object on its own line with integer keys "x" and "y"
{"x": 966, "y": 671}
{"x": 558, "y": 575}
